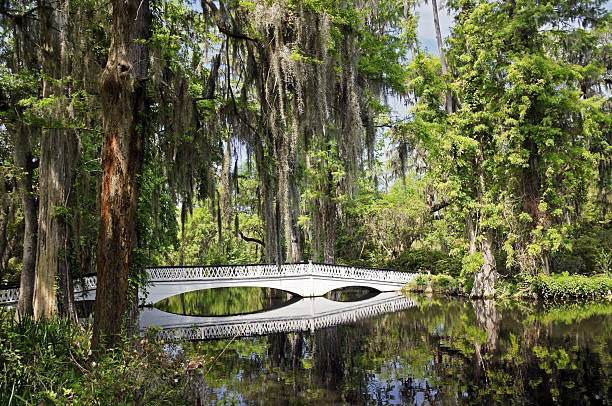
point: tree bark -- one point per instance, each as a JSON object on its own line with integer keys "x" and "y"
{"x": 183, "y": 221}
{"x": 24, "y": 163}
{"x": 296, "y": 247}
{"x": 58, "y": 150}
{"x": 123, "y": 108}
{"x": 484, "y": 281}
{"x": 471, "y": 233}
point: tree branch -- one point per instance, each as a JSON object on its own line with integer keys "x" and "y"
{"x": 249, "y": 239}
{"x": 439, "y": 206}
{"x": 221, "y": 24}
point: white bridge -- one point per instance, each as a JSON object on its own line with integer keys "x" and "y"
{"x": 306, "y": 314}
{"x": 303, "y": 279}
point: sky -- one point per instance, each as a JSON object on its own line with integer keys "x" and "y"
{"x": 425, "y": 29}
{"x": 426, "y": 33}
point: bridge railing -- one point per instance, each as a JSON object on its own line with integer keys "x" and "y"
{"x": 165, "y": 274}
{"x": 249, "y": 328}
{"x": 168, "y": 274}
{"x": 8, "y": 296}
{"x": 84, "y": 284}
{"x": 351, "y": 272}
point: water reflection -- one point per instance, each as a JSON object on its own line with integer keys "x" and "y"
{"x": 444, "y": 351}
{"x": 224, "y": 301}
{"x": 351, "y": 294}
{"x": 299, "y": 314}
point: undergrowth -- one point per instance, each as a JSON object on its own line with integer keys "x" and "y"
{"x": 50, "y": 362}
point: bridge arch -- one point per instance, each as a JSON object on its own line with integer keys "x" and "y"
{"x": 304, "y": 286}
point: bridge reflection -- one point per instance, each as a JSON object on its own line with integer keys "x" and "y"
{"x": 300, "y": 315}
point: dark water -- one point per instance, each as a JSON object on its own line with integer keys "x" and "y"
{"x": 224, "y": 301}
{"x": 443, "y": 351}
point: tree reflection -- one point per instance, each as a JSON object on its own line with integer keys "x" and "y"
{"x": 442, "y": 352}
{"x": 224, "y": 301}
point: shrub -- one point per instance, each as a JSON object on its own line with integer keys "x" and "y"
{"x": 585, "y": 256}
{"x": 433, "y": 261}
{"x": 565, "y": 286}
{"x": 50, "y": 362}
{"x": 442, "y": 282}
{"x": 439, "y": 283}
{"x": 421, "y": 280}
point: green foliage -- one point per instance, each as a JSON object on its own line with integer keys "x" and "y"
{"x": 382, "y": 225}
{"x": 515, "y": 154}
{"x": 564, "y": 286}
{"x": 157, "y": 223}
{"x": 50, "y": 362}
{"x": 440, "y": 283}
{"x": 423, "y": 260}
{"x": 201, "y": 243}
{"x": 587, "y": 253}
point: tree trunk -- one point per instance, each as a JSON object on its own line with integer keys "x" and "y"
{"x": 123, "y": 107}
{"x": 226, "y": 187}
{"x": 58, "y": 150}
{"x": 531, "y": 190}
{"x": 484, "y": 281}
{"x": 183, "y": 220}
{"x": 23, "y": 161}
{"x": 315, "y": 226}
{"x": 296, "y": 247}
{"x": 25, "y": 137}
{"x": 219, "y": 224}
{"x": 329, "y": 226}
{"x": 448, "y": 105}
{"x": 471, "y": 233}
{"x": 267, "y": 209}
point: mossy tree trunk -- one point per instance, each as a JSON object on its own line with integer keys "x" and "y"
{"x": 25, "y": 164}
{"x": 123, "y": 123}
{"x": 58, "y": 150}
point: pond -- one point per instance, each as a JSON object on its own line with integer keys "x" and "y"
{"x": 438, "y": 350}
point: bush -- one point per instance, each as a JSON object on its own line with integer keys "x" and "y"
{"x": 565, "y": 286}
{"x": 435, "y": 262}
{"x": 586, "y": 256}
{"x": 439, "y": 284}
{"x": 442, "y": 282}
{"x": 50, "y": 362}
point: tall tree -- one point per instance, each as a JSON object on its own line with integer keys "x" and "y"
{"x": 22, "y": 27}
{"x": 512, "y": 157}
{"x": 123, "y": 91}
{"x": 58, "y": 153}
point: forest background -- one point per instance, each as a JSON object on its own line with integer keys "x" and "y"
{"x": 286, "y": 131}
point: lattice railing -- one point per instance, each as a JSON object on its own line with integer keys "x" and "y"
{"x": 168, "y": 274}
{"x": 245, "y": 329}
{"x": 351, "y": 272}
{"x": 261, "y": 271}
{"x": 84, "y": 284}
{"x": 9, "y": 296}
